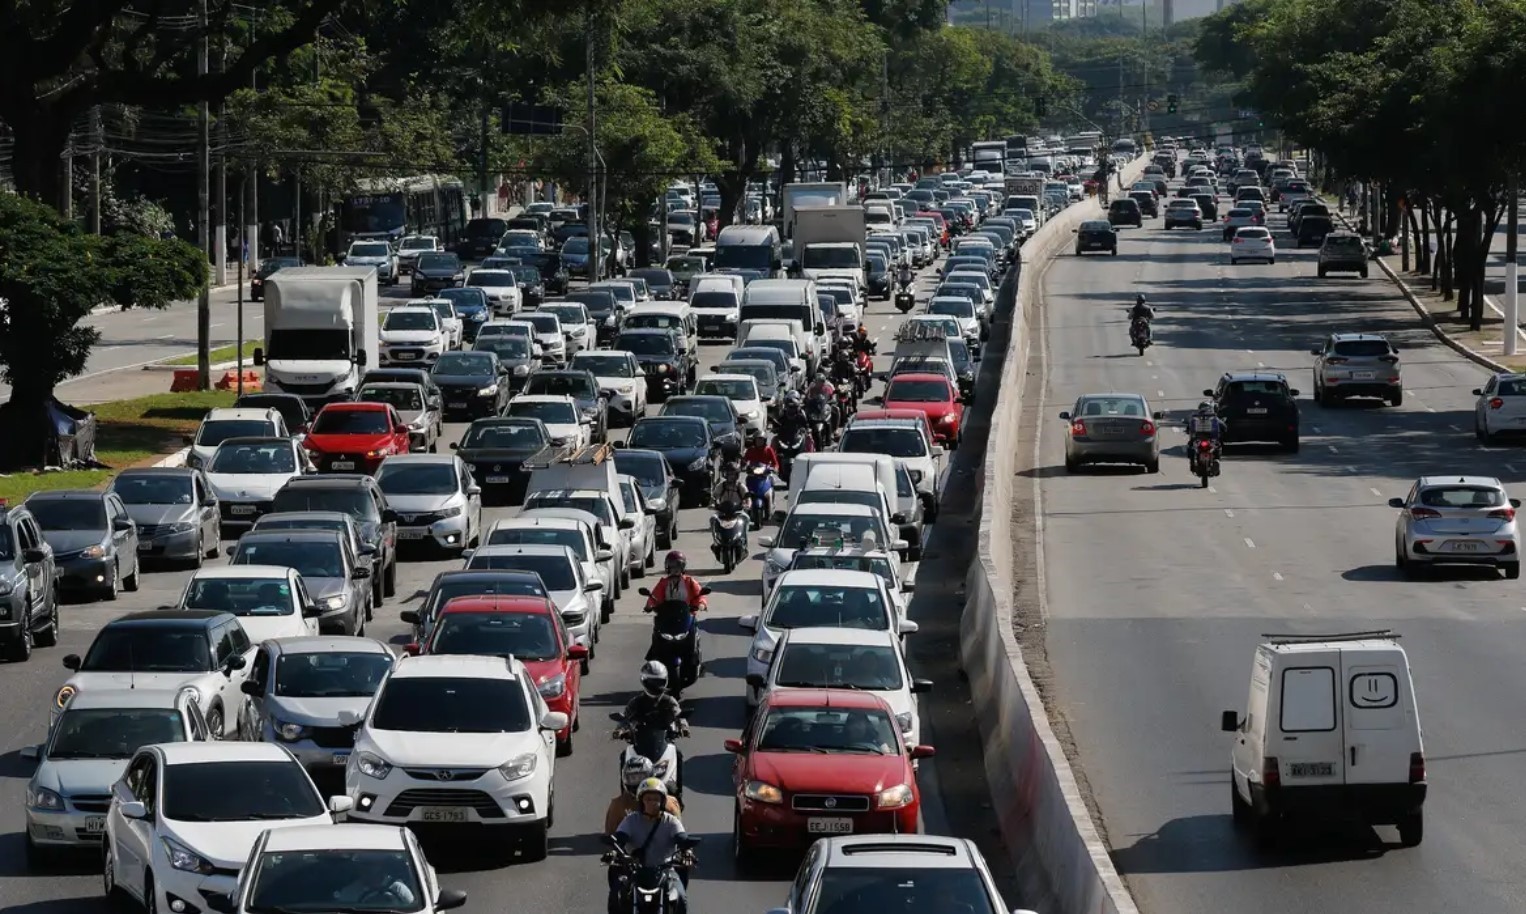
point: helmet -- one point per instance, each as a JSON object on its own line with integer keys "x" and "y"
{"x": 637, "y": 769}
{"x": 863, "y": 329}
{"x": 1205, "y": 407}
{"x": 793, "y": 397}
{"x": 675, "y": 562}
{"x": 821, "y": 377}
{"x": 754, "y": 436}
{"x": 653, "y": 785}
{"x": 1139, "y": 300}
{"x": 654, "y": 677}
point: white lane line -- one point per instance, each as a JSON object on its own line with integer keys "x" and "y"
{"x": 167, "y": 336}
{"x": 1332, "y": 448}
{"x": 1276, "y": 576}
{"x": 1316, "y": 429}
{"x": 1260, "y": 364}
{"x": 1510, "y": 467}
{"x": 1155, "y": 377}
{"x": 1249, "y": 543}
{"x": 1212, "y": 490}
{"x": 1149, "y": 364}
{"x": 1375, "y": 491}
{"x": 1228, "y": 513}
{"x": 1430, "y": 409}
{"x": 1455, "y": 428}
{"x": 1249, "y": 351}
{"x": 1160, "y": 393}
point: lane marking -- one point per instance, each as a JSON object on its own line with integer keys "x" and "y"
{"x": 167, "y": 336}
{"x": 1149, "y": 364}
{"x": 1260, "y": 364}
{"x": 1510, "y": 467}
{"x": 1374, "y": 491}
{"x": 1228, "y": 513}
{"x": 1430, "y": 409}
{"x": 1276, "y": 576}
{"x": 1455, "y": 428}
{"x": 1212, "y": 490}
{"x": 1249, "y": 543}
{"x": 1317, "y": 430}
{"x": 1332, "y": 448}
{"x": 1160, "y": 393}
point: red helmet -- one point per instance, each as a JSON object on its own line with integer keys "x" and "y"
{"x": 675, "y": 562}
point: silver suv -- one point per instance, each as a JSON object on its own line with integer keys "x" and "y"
{"x": 1357, "y": 365}
{"x": 918, "y": 871}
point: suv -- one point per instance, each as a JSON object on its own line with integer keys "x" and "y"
{"x": 29, "y": 609}
{"x": 1343, "y": 252}
{"x": 1257, "y": 406}
{"x": 1357, "y": 365}
{"x": 1149, "y": 204}
{"x": 924, "y": 870}
{"x": 1184, "y": 213}
{"x": 1096, "y": 235}
{"x": 1125, "y": 211}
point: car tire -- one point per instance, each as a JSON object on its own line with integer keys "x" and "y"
{"x": 389, "y": 578}
{"x": 215, "y": 723}
{"x": 1153, "y": 466}
{"x": 1321, "y": 272}
{"x": 48, "y": 637}
{"x": 114, "y": 586}
{"x": 534, "y": 845}
{"x": 1397, "y": 399}
{"x": 130, "y": 583}
{"x": 1072, "y": 466}
{"x": 1233, "y": 262}
{"x": 741, "y": 852}
{"x": 1411, "y": 829}
{"x": 1364, "y": 274}
{"x": 1290, "y": 444}
{"x": 1402, "y": 562}
{"x": 1513, "y": 571}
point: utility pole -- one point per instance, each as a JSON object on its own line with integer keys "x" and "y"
{"x": 251, "y": 219}
{"x": 595, "y": 243}
{"x": 482, "y": 187}
{"x": 98, "y": 141}
{"x": 204, "y": 218}
{"x": 1120, "y": 94}
{"x": 220, "y": 229}
{"x": 1512, "y": 268}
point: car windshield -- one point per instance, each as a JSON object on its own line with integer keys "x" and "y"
{"x": 853, "y": 890}
{"x": 762, "y": 375}
{"x": 568, "y": 315}
{"x": 411, "y": 319}
{"x": 68, "y": 513}
{"x": 785, "y": 346}
{"x": 561, "y": 385}
{"x": 732, "y": 389}
{"x": 870, "y": 439}
{"x": 148, "y": 649}
{"x": 661, "y": 435}
{"x": 507, "y": 348}
{"x": 540, "y": 536}
{"x": 576, "y": 245}
{"x": 319, "y": 881}
{"x": 717, "y": 411}
{"x": 417, "y": 244}
{"x": 902, "y": 390}
{"x": 153, "y": 489}
{"x": 241, "y": 596}
{"x": 370, "y": 250}
{"x": 835, "y": 666}
{"x": 417, "y": 478}
{"x": 354, "y": 501}
{"x": 312, "y": 557}
{"x": 551, "y": 412}
{"x": 555, "y": 570}
{"x": 198, "y": 792}
{"x": 528, "y": 636}
{"x": 448, "y": 704}
{"x": 403, "y": 399}
{"x": 647, "y": 343}
{"x": 1462, "y": 497}
{"x": 651, "y": 320}
{"x": 647, "y": 469}
{"x": 596, "y": 505}
{"x": 259, "y": 459}
{"x": 464, "y": 364}
{"x": 604, "y": 366}
{"x": 331, "y": 674}
{"x": 113, "y": 733}
{"x": 829, "y": 731}
{"x": 492, "y": 279}
{"x": 216, "y": 431}
{"x": 506, "y": 436}
{"x": 352, "y": 422}
{"x": 443, "y": 308}
{"x": 438, "y": 261}
{"x": 713, "y": 298}
{"x": 515, "y": 584}
{"x": 543, "y": 323}
{"x": 951, "y": 307}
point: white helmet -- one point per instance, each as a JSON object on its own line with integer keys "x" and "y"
{"x": 637, "y": 769}
{"x": 654, "y": 677}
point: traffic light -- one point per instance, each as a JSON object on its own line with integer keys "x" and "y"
{"x": 1041, "y": 106}
{"x": 1170, "y": 104}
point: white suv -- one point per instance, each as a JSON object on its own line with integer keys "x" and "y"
{"x": 412, "y": 336}
{"x": 908, "y": 872}
{"x": 458, "y": 740}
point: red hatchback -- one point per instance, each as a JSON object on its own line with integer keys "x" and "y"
{"x": 933, "y": 396}
{"x": 355, "y": 437}
{"x": 529, "y": 628}
{"x": 816, "y": 762}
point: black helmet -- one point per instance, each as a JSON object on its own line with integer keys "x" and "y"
{"x": 1139, "y": 300}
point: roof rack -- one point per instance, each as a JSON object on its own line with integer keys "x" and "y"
{"x": 583, "y": 456}
{"x": 921, "y": 330}
{"x": 1380, "y": 633}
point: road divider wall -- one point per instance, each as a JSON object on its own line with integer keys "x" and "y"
{"x": 1062, "y": 863}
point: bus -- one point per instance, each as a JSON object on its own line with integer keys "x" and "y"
{"x": 393, "y": 207}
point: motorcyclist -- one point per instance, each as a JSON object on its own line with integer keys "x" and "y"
{"x": 1141, "y": 310}
{"x": 792, "y": 418}
{"x": 730, "y": 499}
{"x": 822, "y": 391}
{"x": 638, "y": 769}
{"x": 652, "y": 835}
{"x": 653, "y": 707}
{"x": 844, "y": 370}
{"x": 820, "y": 387}
{"x": 1205, "y": 423}
{"x": 861, "y": 341}
{"x": 759, "y": 451}
{"x": 905, "y": 277}
{"x": 676, "y": 584}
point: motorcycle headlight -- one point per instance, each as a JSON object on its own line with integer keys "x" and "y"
{"x": 554, "y": 687}
{"x": 43, "y": 798}
{"x": 895, "y": 797}
{"x": 488, "y": 391}
{"x": 184, "y": 859}
{"x": 763, "y": 654}
{"x": 699, "y": 464}
{"x": 93, "y": 552}
{"x": 660, "y": 770}
{"x": 519, "y": 767}
{"x": 521, "y": 370}
{"x": 288, "y": 732}
{"x": 335, "y": 602}
{"x": 372, "y": 765}
{"x": 763, "y": 792}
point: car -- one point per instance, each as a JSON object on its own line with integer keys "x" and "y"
{"x": 1112, "y": 428}
{"x": 877, "y": 560}
{"x": 1308, "y": 209}
{"x": 1500, "y": 409}
{"x": 1312, "y": 231}
{"x": 436, "y": 501}
{"x": 359, "y": 497}
{"x": 584, "y": 389}
{"x": 560, "y": 569}
{"x": 564, "y": 422}
{"x": 411, "y": 247}
{"x": 546, "y": 329}
{"x": 519, "y": 354}
{"x": 424, "y": 422}
{"x": 497, "y": 450}
{"x": 270, "y": 601}
{"x": 245, "y": 474}
{"x": 643, "y": 536}
{"x": 718, "y": 410}
{"x": 1237, "y": 218}
{"x": 657, "y": 486}
{"x": 959, "y": 307}
{"x": 1457, "y": 520}
{"x": 184, "y": 817}
{"x": 578, "y": 325}
{"x": 501, "y": 286}
{"x": 376, "y": 254}
{"x": 1257, "y": 406}
{"x": 528, "y": 629}
{"x": 417, "y": 374}
{"x": 688, "y": 446}
{"x": 450, "y": 322}
{"x": 434, "y": 270}
{"x": 620, "y": 382}
{"x": 472, "y": 307}
{"x": 28, "y": 585}
{"x": 1342, "y": 252}
{"x": 93, "y": 539}
{"x": 175, "y": 510}
{"x": 347, "y": 437}
{"x": 482, "y": 719}
{"x": 1125, "y": 211}
{"x": 1184, "y": 213}
{"x": 1350, "y": 365}
{"x": 330, "y": 520}
{"x": 473, "y": 383}
{"x": 1096, "y": 235}
{"x": 268, "y": 268}
{"x": 662, "y": 282}
{"x": 222, "y": 423}
{"x": 412, "y": 335}
{"x": 665, "y": 361}
{"x": 1208, "y": 203}
{"x": 1252, "y": 243}
{"x": 202, "y": 652}
{"x": 818, "y": 762}
{"x": 789, "y": 372}
{"x": 447, "y": 585}
{"x": 334, "y": 577}
{"x": 907, "y": 436}
{"x": 910, "y": 872}
{"x": 577, "y": 530}
{"x": 1147, "y": 200}
{"x": 819, "y": 524}
{"x": 933, "y": 395}
{"x": 293, "y": 409}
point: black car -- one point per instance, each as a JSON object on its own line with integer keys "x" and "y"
{"x": 602, "y": 308}
{"x": 360, "y": 497}
{"x": 684, "y": 268}
{"x": 1148, "y": 204}
{"x": 479, "y": 582}
{"x": 481, "y": 237}
{"x": 686, "y": 444}
{"x": 1096, "y": 235}
{"x": 471, "y": 306}
{"x": 877, "y": 276}
{"x": 581, "y": 386}
{"x": 532, "y": 287}
{"x": 553, "y": 273}
{"x": 271, "y": 266}
{"x": 496, "y": 449}
{"x": 662, "y": 283}
{"x": 964, "y": 368}
{"x": 789, "y": 379}
{"x": 1209, "y": 204}
{"x": 407, "y": 376}
{"x": 1125, "y": 212}
{"x": 720, "y": 412}
{"x": 293, "y": 409}
{"x": 658, "y": 486}
{"x": 515, "y": 353}
{"x": 1257, "y": 406}
{"x": 474, "y": 383}
{"x": 664, "y": 360}
{"x": 1305, "y": 211}
{"x": 436, "y": 271}
{"x": 1312, "y": 231}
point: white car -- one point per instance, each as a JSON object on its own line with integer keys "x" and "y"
{"x": 548, "y": 333}
{"x": 377, "y": 254}
{"x": 224, "y": 422}
{"x": 883, "y": 562}
{"x": 644, "y": 534}
{"x": 563, "y": 527}
{"x": 819, "y": 598}
{"x": 481, "y": 720}
{"x": 349, "y": 866}
{"x": 906, "y": 440}
{"x": 270, "y": 600}
{"x": 574, "y": 594}
{"x": 1026, "y": 219}
{"x": 976, "y": 278}
{"x": 86, "y": 752}
{"x": 564, "y": 421}
{"x": 1253, "y": 242}
{"x": 246, "y": 473}
{"x": 1501, "y": 407}
{"x": 852, "y": 309}
{"x": 185, "y": 815}
{"x": 742, "y": 391}
{"x": 411, "y": 337}
{"x": 620, "y": 380}
{"x": 409, "y": 249}
{"x": 610, "y": 520}
{"x": 450, "y": 319}
{"x": 1457, "y": 520}
{"x": 823, "y": 524}
{"x": 436, "y": 501}
{"x": 501, "y": 288}
{"x": 581, "y": 332}
{"x": 852, "y": 658}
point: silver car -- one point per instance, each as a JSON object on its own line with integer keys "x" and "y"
{"x": 377, "y": 254}
{"x": 412, "y": 404}
{"x": 1112, "y": 428}
{"x": 1457, "y": 520}
{"x": 436, "y": 500}
{"x": 1357, "y": 365}
{"x": 175, "y": 510}
{"x": 336, "y": 578}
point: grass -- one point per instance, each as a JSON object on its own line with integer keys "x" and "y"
{"x": 128, "y": 433}
{"x": 220, "y": 354}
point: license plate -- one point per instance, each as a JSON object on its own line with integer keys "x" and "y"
{"x": 341, "y": 758}
{"x": 444, "y": 814}
{"x": 95, "y": 825}
{"x": 1464, "y": 546}
{"x": 1363, "y": 375}
{"x": 497, "y": 480}
{"x": 1255, "y": 412}
{"x": 455, "y": 405}
{"x": 405, "y": 356}
{"x": 241, "y": 509}
{"x": 829, "y": 826}
{"x": 343, "y": 464}
{"x": 406, "y": 534}
{"x": 1312, "y": 769}
{"x": 145, "y": 547}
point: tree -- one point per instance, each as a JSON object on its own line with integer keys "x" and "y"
{"x": 52, "y": 273}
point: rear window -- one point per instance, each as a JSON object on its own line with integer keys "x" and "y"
{"x": 1343, "y": 245}
{"x": 1515, "y": 388}
{"x": 1362, "y": 349}
{"x": 1242, "y": 389}
{"x": 1238, "y": 213}
{"x": 1462, "y": 497}
{"x": 1253, "y": 233}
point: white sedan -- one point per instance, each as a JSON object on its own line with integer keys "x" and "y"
{"x": 837, "y": 658}
{"x": 1500, "y": 408}
{"x": 564, "y": 422}
{"x": 1253, "y": 242}
{"x": 620, "y": 379}
{"x": 742, "y": 391}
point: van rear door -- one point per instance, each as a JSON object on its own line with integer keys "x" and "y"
{"x": 1380, "y": 726}
{"x": 1306, "y": 737}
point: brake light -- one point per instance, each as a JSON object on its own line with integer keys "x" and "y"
{"x": 1335, "y": 360}
{"x": 1389, "y": 359}
{"x": 1496, "y": 403}
{"x": 1238, "y": 239}
{"x": 1078, "y": 428}
{"x": 1147, "y": 428}
{"x": 1271, "y": 775}
{"x": 1204, "y": 445}
{"x": 1505, "y": 514}
{"x": 1423, "y": 513}
{"x": 1417, "y": 767}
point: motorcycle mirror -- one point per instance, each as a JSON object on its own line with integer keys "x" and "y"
{"x": 617, "y": 717}
{"x": 705, "y": 591}
{"x": 1207, "y": 393}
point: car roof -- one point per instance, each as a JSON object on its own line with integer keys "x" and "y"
{"x": 1111, "y": 395}
{"x": 845, "y": 699}
{"x": 1358, "y": 337}
{"x": 498, "y": 603}
{"x": 919, "y": 375}
{"x": 67, "y": 495}
{"x": 238, "y": 412}
{"x": 248, "y": 572}
{"x": 355, "y": 406}
{"x": 341, "y": 837}
{"x": 185, "y": 618}
{"x": 1489, "y": 482}
{"x": 901, "y": 852}
{"x": 331, "y": 481}
{"x": 439, "y": 666}
{"x": 1255, "y": 376}
{"x": 291, "y": 536}
{"x": 555, "y": 549}
{"x": 816, "y": 577}
{"x": 306, "y": 516}
{"x": 535, "y": 518}
{"x": 542, "y": 398}
{"x": 407, "y": 459}
{"x": 323, "y": 644}
{"x": 123, "y": 698}
{"x": 157, "y": 471}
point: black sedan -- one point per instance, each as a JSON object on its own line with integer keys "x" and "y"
{"x": 686, "y": 444}
{"x": 271, "y": 266}
{"x": 1096, "y": 235}
{"x": 663, "y": 360}
{"x": 515, "y": 353}
{"x": 497, "y": 449}
{"x": 725, "y": 424}
{"x": 663, "y": 283}
{"x": 437, "y": 271}
{"x": 473, "y": 384}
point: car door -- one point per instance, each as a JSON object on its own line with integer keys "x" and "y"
{"x": 39, "y": 575}
{"x": 1307, "y": 736}
{"x": 225, "y": 692}
{"x": 473, "y": 493}
{"x": 124, "y": 533}
{"x": 133, "y": 839}
{"x": 252, "y": 720}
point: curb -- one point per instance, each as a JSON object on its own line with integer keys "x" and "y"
{"x": 215, "y": 366}
{"x": 176, "y": 459}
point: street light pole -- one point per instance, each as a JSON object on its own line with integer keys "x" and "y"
{"x": 595, "y": 243}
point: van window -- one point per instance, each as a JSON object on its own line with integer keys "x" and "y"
{"x": 1374, "y": 699}
{"x": 1308, "y": 700}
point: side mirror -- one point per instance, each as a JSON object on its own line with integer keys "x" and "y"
{"x": 360, "y": 358}
{"x": 1515, "y": 502}
{"x": 72, "y": 662}
{"x": 348, "y": 719}
{"x": 767, "y": 542}
{"x": 1396, "y": 503}
{"x": 251, "y": 688}
{"x": 577, "y": 652}
{"x": 312, "y": 611}
{"x": 748, "y": 623}
{"x": 455, "y": 445}
{"x": 734, "y": 746}
{"x": 449, "y": 899}
{"x": 466, "y": 554}
{"x": 937, "y": 450}
{"x": 259, "y": 356}
{"x": 1065, "y": 416}
{"x": 920, "y": 686}
{"x": 908, "y": 627}
{"x": 229, "y": 550}
{"x": 122, "y": 523}
{"x": 473, "y": 490}
{"x": 757, "y": 680}
{"x": 134, "y": 809}
{"x": 627, "y": 523}
{"x": 410, "y": 616}
{"x": 360, "y": 573}
{"x": 221, "y": 902}
{"x": 643, "y": 591}
{"x": 1478, "y": 392}
{"x": 1229, "y": 721}
{"x": 31, "y": 752}
{"x": 188, "y": 439}
{"x": 603, "y": 555}
{"x": 236, "y": 662}
{"x": 593, "y": 587}
{"x": 1293, "y": 392}
{"x": 900, "y": 545}
{"x": 33, "y": 556}
{"x": 1207, "y": 393}
{"x": 553, "y": 720}
{"x": 920, "y": 752}
{"x": 778, "y": 517}
{"x": 340, "y": 805}
{"x": 898, "y": 518}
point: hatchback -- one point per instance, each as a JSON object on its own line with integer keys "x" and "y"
{"x": 1501, "y": 407}
{"x": 1252, "y": 243}
{"x": 1457, "y": 520}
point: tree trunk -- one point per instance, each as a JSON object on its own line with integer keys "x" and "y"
{"x": 30, "y": 439}
{"x": 40, "y": 138}
{"x": 1444, "y": 259}
{"x": 787, "y": 164}
{"x": 642, "y": 232}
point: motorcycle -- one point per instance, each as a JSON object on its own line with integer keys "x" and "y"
{"x": 1139, "y": 334}
{"x": 905, "y": 299}
{"x": 675, "y": 641}
{"x": 656, "y": 744}
{"x": 818, "y": 413}
{"x": 728, "y": 533}
{"x": 760, "y": 488}
{"x": 847, "y": 398}
{"x": 788, "y": 447}
{"x": 1203, "y": 458}
{"x": 650, "y": 889}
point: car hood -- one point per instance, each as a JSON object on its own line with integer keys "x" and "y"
{"x": 95, "y": 682}
{"x": 80, "y": 777}
{"x": 809, "y": 772}
{"x": 460, "y": 750}
{"x": 263, "y": 628}
{"x": 345, "y": 443}
{"x": 567, "y": 432}
{"x": 680, "y": 457}
{"x": 420, "y": 504}
{"x": 323, "y": 588}
{"x": 410, "y": 416}
{"x": 507, "y": 459}
{"x": 155, "y": 515}
{"x": 437, "y": 272}
{"x": 416, "y": 337}
{"x": 314, "y": 712}
{"x": 297, "y": 371}
{"x": 245, "y": 486}
{"x": 64, "y": 541}
{"x": 226, "y": 844}
{"x": 463, "y": 380}
{"x": 934, "y": 411}
{"x": 616, "y": 383}
{"x": 367, "y": 261}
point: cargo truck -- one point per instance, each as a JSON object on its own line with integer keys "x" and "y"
{"x": 824, "y": 193}
{"x": 321, "y": 326}
{"x": 830, "y": 242}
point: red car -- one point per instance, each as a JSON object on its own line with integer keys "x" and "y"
{"x": 355, "y": 437}
{"x": 531, "y": 629}
{"x": 933, "y": 396}
{"x": 817, "y": 762}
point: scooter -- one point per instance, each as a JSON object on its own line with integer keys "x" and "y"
{"x": 760, "y": 486}
{"x": 1139, "y": 334}
{"x": 655, "y": 744}
{"x": 675, "y": 641}
{"x": 728, "y": 534}
{"x": 789, "y": 448}
{"x": 1203, "y": 459}
{"x": 905, "y": 299}
{"x": 818, "y": 412}
{"x": 847, "y": 399}
{"x": 650, "y": 889}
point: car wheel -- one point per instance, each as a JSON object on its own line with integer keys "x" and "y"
{"x": 1513, "y": 571}
{"x": 130, "y": 583}
{"x": 1321, "y": 272}
{"x": 1272, "y": 261}
{"x": 215, "y": 722}
{"x": 534, "y": 845}
{"x": 389, "y": 584}
{"x": 1402, "y": 562}
{"x": 48, "y": 636}
{"x": 1364, "y": 274}
{"x": 114, "y": 586}
{"x": 1072, "y": 466}
{"x": 740, "y": 851}
{"x": 1290, "y": 444}
{"x": 1397, "y": 399}
{"x": 21, "y": 649}
{"x": 1233, "y": 261}
{"x": 1152, "y": 466}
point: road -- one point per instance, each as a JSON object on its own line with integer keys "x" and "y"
{"x": 572, "y": 879}
{"x": 1158, "y": 591}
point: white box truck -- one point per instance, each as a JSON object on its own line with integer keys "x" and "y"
{"x": 794, "y": 196}
{"x": 830, "y": 241}
{"x": 321, "y": 327}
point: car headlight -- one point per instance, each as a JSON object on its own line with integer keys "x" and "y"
{"x": 554, "y": 687}
{"x": 288, "y": 731}
{"x": 43, "y": 798}
{"x": 519, "y": 767}
{"x": 904, "y": 719}
{"x": 93, "y": 552}
{"x": 763, "y": 654}
{"x": 6, "y": 587}
{"x": 609, "y": 321}
{"x": 451, "y": 512}
{"x": 182, "y": 527}
{"x": 63, "y": 696}
{"x": 664, "y": 368}
{"x": 335, "y": 602}
{"x": 699, "y": 464}
{"x": 894, "y": 797}
{"x": 372, "y": 765}
{"x": 488, "y": 391}
{"x": 521, "y": 370}
{"x": 948, "y": 419}
{"x": 184, "y": 859}
{"x": 763, "y": 792}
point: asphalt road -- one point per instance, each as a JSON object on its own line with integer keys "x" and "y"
{"x": 1158, "y": 591}
{"x": 572, "y": 879}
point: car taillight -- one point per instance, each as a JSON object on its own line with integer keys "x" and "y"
{"x": 1078, "y": 428}
{"x": 1417, "y": 767}
{"x": 1388, "y": 359}
{"x": 1238, "y": 239}
{"x": 1505, "y": 514}
{"x": 1335, "y": 360}
{"x": 1496, "y": 403}
{"x": 1423, "y": 513}
{"x": 1147, "y": 428}
{"x": 1271, "y": 775}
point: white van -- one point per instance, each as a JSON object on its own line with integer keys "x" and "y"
{"x": 1330, "y": 731}
{"x": 716, "y": 299}
{"x": 846, "y": 484}
{"x": 664, "y": 315}
{"x": 792, "y": 300}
